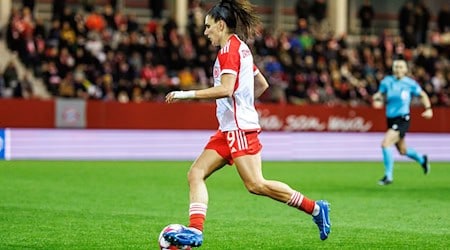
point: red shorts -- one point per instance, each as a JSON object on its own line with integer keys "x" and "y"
{"x": 232, "y": 144}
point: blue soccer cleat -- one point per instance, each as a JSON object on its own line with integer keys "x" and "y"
{"x": 323, "y": 219}
{"x": 188, "y": 236}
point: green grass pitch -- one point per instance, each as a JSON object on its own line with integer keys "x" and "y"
{"x": 124, "y": 205}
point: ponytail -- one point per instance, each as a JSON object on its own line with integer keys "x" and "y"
{"x": 239, "y": 15}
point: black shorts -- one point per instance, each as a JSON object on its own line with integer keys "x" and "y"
{"x": 399, "y": 123}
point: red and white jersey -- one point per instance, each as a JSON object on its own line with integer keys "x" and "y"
{"x": 238, "y": 111}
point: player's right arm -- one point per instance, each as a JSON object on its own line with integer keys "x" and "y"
{"x": 225, "y": 89}
{"x": 261, "y": 84}
{"x": 378, "y": 98}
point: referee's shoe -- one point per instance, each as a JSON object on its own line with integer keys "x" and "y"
{"x": 426, "y": 165}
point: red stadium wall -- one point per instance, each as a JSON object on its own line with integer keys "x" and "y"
{"x": 113, "y": 115}
{"x": 27, "y": 113}
{"x": 150, "y": 115}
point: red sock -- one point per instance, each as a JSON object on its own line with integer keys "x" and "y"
{"x": 301, "y": 202}
{"x": 197, "y": 215}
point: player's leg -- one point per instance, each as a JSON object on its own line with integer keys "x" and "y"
{"x": 207, "y": 163}
{"x": 390, "y": 138}
{"x": 413, "y": 154}
{"x": 215, "y": 155}
{"x": 403, "y": 126}
{"x": 250, "y": 171}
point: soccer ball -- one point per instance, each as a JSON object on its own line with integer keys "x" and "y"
{"x": 164, "y": 244}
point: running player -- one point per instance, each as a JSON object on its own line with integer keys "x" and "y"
{"x": 397, "y": 91}
{"x": 237, "y": 82}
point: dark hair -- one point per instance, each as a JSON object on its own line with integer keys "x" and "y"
{"x": 399, "y": 57}
{"x": 239, "y": 16}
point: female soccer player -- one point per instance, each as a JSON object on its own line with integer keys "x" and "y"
{"x": 237, "y": 82}
{"x": 398, "y": 90}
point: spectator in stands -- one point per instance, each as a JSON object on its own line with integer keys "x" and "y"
{"x": 203, "y": 58}
{"x": 66, "y": 62}
{"x": 58, "y": 7}
{"x": 440, "y": 86}
{"x": 421, "y": 22}
{"x": 318, "y": 10}
{"x": 132, "y": 23}
{"x": 156, "y": 8}
{"x": 108, "y": 15}
{"x": 39, "y": 28}
{"x": 66, "y": 87}
{"x": 88, "y": 5}
{"x": 113, "y": 4}
{"x": 29, "y": 4}
{"x": 107, "y": 88}
{"x": 406, "y": 18}
{"x": 84, "y": 88}
{"x": 365, "y": 14}
{"x": 27, "y": 23}
{"x": 69, "y": 16}
{"x": 277, "y": 77}
{"x": 23, "y": 88}
{"x": 54, "y": 33}
{"x": 68, "y": 36}
{"x": 95, "y": 46}
{"x": 52, "y": 78}
{"x": 302, "y": 27}
{"x": 29, "y": 54}
{"x": 296, "y": 92}
{"x": 13, "y": 30}
{"x": 443, "y": 19}
{"x": 10, "y": 79}
{"x": 302, "y": 9}
{"x": 95, "y": 22}
{"x": 196, "y": 19}
{"x": 409, "y": 37}
{"x": 187, "y": 79}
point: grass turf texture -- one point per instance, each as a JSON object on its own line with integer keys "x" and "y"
{"x": 124, "y": 205}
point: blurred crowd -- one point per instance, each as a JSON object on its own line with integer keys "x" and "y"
{"x": 104, "y": 54}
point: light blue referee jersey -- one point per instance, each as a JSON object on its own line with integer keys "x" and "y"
{"x": 398, "y": 93}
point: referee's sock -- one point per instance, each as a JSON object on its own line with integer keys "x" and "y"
{"x": 388, "y": 161}
{"x": 411, "y": 153}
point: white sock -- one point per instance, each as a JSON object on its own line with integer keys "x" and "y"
{"x": 316, "y": 210}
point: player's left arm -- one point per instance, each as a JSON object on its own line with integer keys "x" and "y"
{"x": 261, "y": 84}
{"x": 428, "y": 113}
